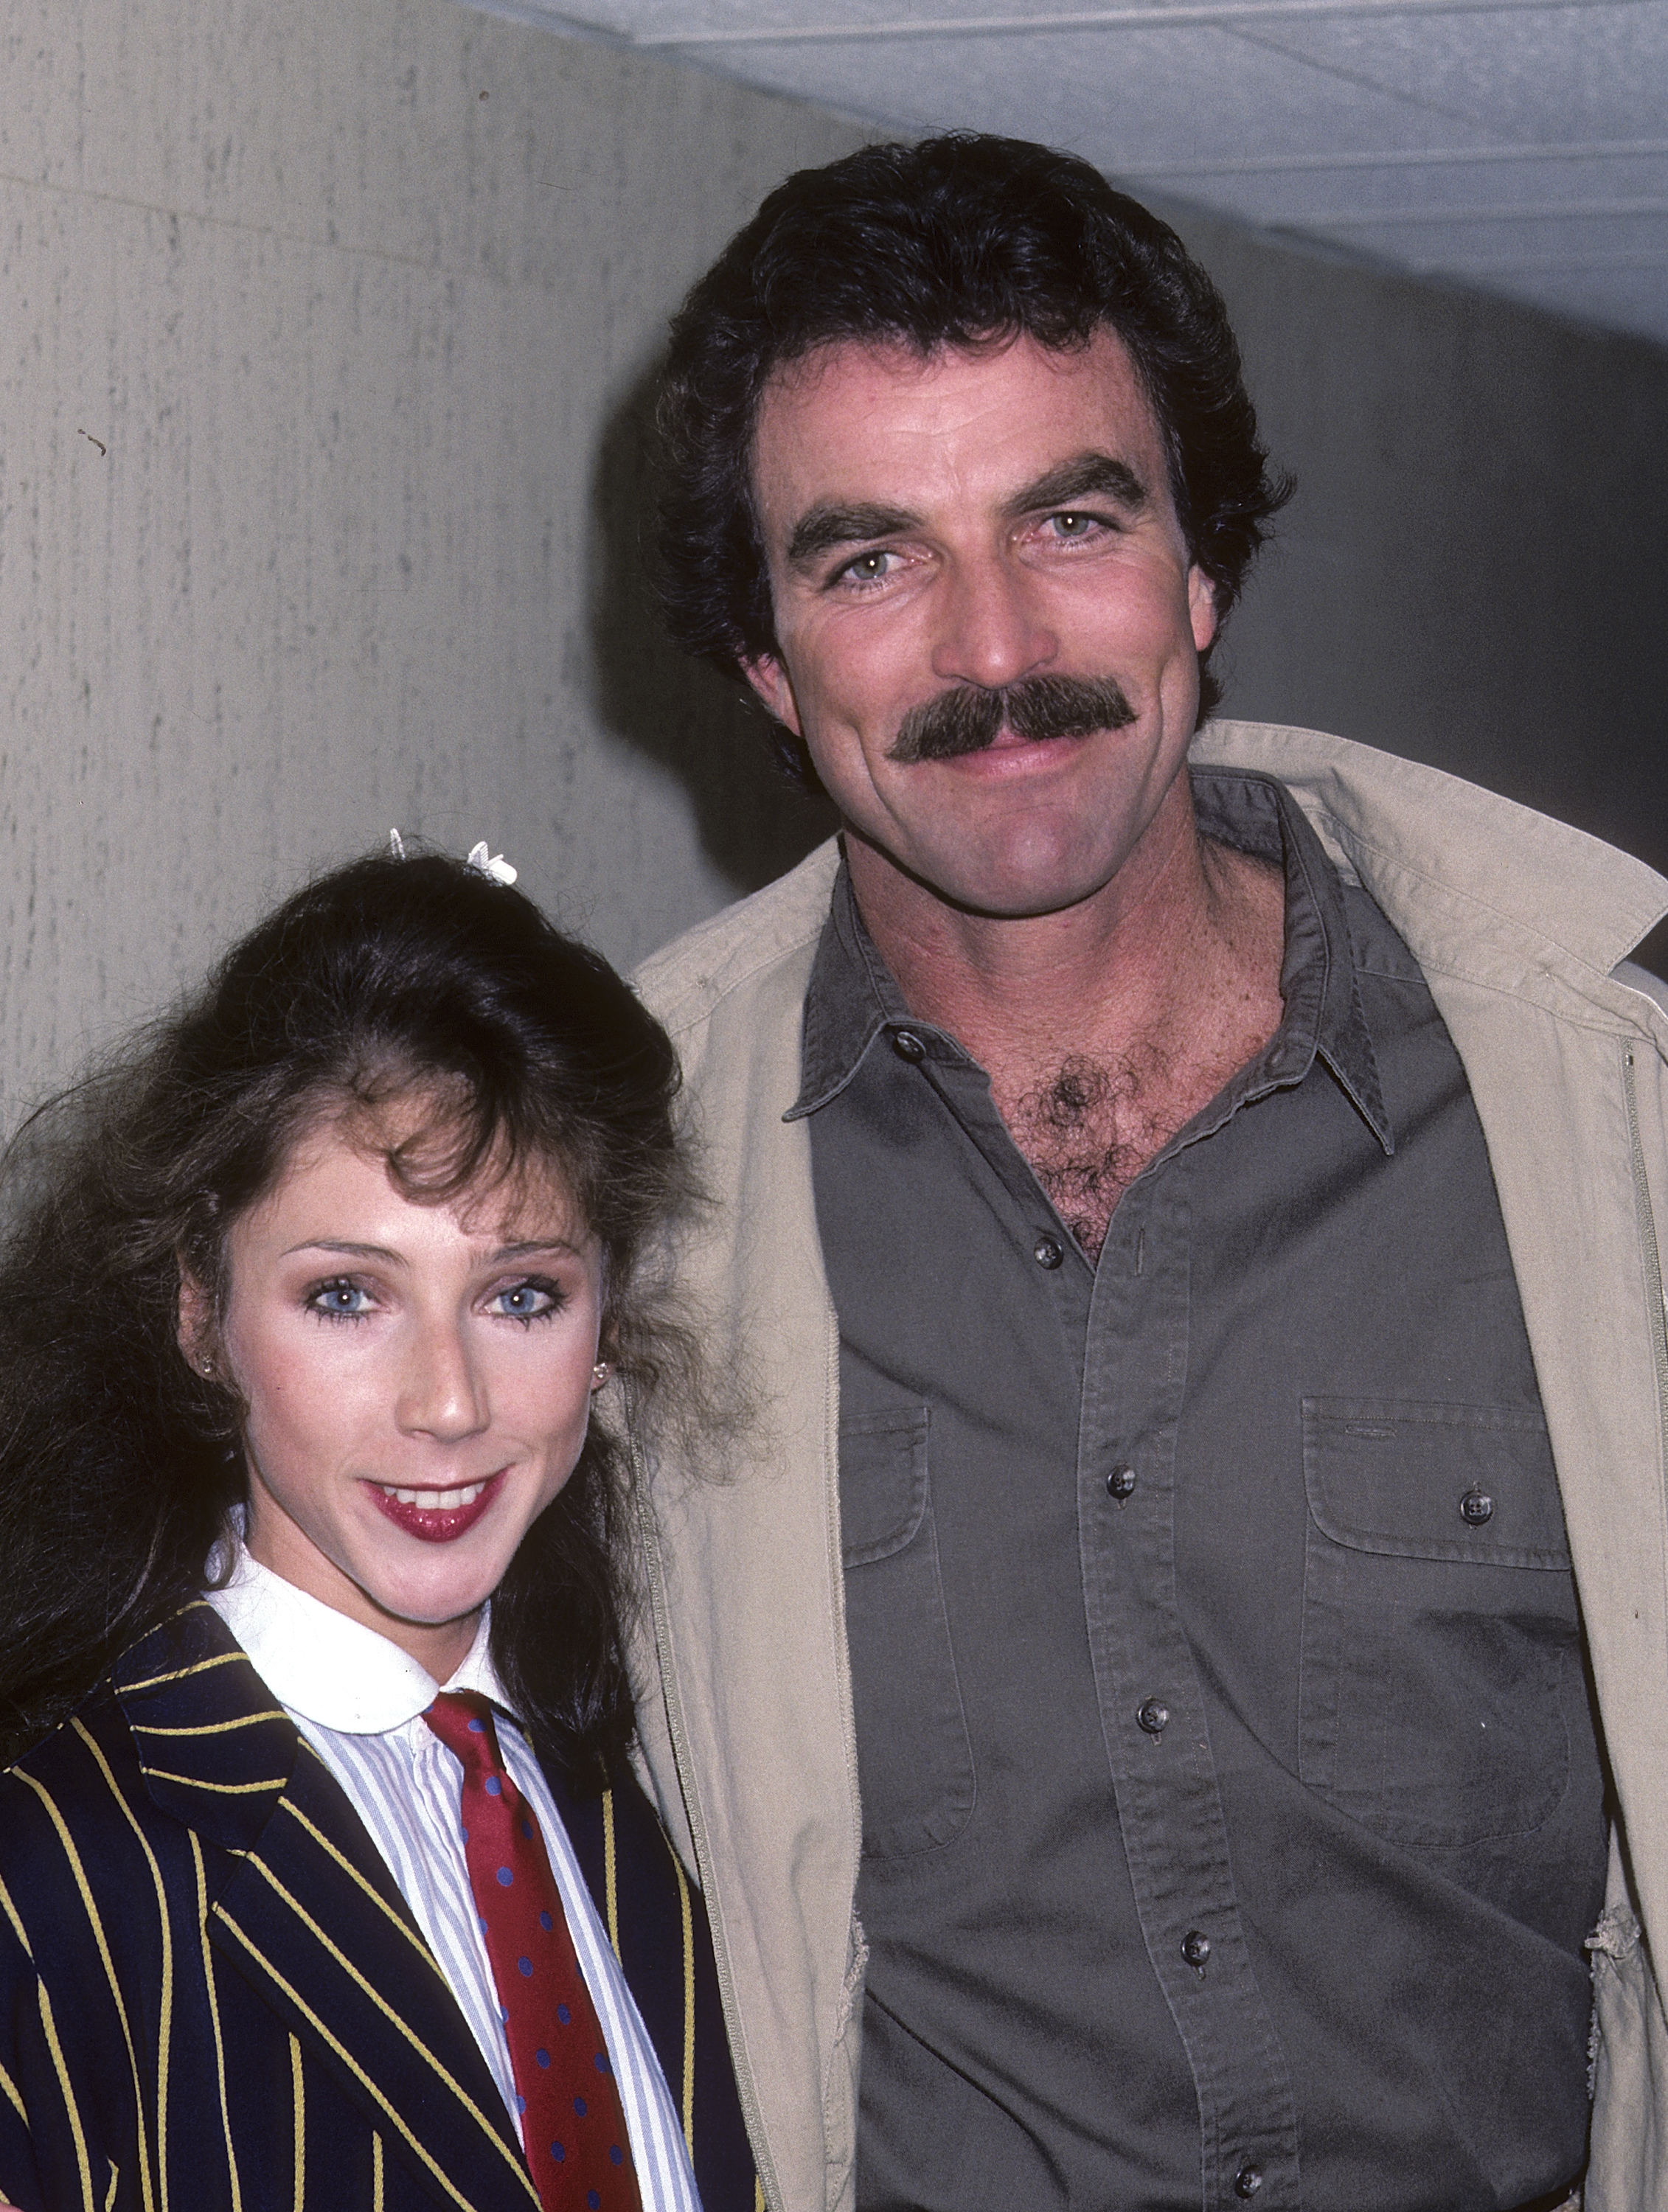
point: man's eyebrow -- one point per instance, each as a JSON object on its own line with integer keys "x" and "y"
{"x": 1086, "y": 475}
{"x": 820, "y": 529}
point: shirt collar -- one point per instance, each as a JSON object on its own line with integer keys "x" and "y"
{"x": 852, "y": 997}
{"x": 1324, "y": 1017}
{"x": 329, "y": 1669}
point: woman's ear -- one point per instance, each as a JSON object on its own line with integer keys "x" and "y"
{"x": 196, "y": 1332}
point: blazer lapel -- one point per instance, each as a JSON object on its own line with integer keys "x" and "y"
{"x": 311, "y": 1917}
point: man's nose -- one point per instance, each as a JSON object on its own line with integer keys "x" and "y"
{"x": 442, "y": 1393}
{"x": 990, "y": 631}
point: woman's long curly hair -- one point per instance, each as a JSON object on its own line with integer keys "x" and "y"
{"x": 391, "y": 980}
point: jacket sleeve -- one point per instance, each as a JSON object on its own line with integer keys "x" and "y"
{"x": 57, "y": 2110}
{"x": 33, "y": 2094}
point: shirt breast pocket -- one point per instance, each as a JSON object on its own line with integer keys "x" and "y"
{"x": 915, "y": 1762}
{"x": 1440, "y": 1637}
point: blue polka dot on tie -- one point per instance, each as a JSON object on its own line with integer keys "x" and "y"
{"x": 601, "y": 2061}
{"x": 593, "y": 2199}
{"x": 521, "y": 2102}
{"x": 543, "y": 2056}
{"x": 527, "y": 1830}
{"x": 482, "y": 1924}
{"x": 503, "y": 2015}
{"x": 558, "y": 2152}
{"x": 563, "y": 2014}
{"x": 478, "y": 1727}
{"x": 546, "y": 1921}
{"x": 463, "y": 1833}
{"x": 579, "y": 2106}
{"x": 616, "y": 2154}
{"x": 525, "y": 1965}
{"x": 493, "y": 1787}
{"x": 505, "y": 1876}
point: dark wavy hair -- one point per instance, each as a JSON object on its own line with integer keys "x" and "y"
{"x": 391, "y": 980}
{"x": 956, "y": 241}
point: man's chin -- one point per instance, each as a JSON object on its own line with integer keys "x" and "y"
{"x": 1022, "y": 886}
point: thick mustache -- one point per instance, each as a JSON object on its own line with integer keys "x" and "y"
{"x": 969, "y": 720}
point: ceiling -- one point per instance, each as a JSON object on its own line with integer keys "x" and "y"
{"x": 1513, "y": 145}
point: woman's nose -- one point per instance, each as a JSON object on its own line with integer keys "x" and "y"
{"x": 442, "y": 1393}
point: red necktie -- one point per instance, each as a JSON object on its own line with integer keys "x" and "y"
{"x": 573, "y": 2125}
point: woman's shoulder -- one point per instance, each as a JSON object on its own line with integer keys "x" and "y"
{"x": 147, "y": 1754}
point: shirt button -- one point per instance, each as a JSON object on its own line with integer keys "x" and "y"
{"x": 1248, "y": 2181}
{"x": 1195, "y": 1948}
{"x": 908, "y": 1046}
{"x": 1121, "y": 1482}
{"x": 1476, "y": 1506}
{"x": 1048, "y": 1252}
{"x": 1154, "y": 1717}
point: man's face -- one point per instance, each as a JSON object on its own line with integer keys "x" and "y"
{"x": 949, "y": 530}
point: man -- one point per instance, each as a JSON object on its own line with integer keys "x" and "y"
{"x": 1185, "y": 1204}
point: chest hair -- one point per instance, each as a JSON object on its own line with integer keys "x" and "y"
{"x": 1090, "y": 1128}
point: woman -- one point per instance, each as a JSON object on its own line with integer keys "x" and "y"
{"x": 300, "y": 1335}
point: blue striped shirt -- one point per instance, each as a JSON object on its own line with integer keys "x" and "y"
{"x": 358, "y": 1699}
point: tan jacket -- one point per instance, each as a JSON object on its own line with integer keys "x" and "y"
{"x": 1520, "y": 925}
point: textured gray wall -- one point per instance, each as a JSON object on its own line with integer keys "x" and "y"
{"x": 365, "y": 355}
{"x": 357, "y": 302}
{"x": 1474, "y": 569}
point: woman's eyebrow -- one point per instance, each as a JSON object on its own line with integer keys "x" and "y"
{"x": 349, "y": 1251}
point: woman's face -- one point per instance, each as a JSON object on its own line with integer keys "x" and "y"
{"x": 418, "y": 1381}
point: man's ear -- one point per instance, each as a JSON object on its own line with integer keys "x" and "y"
{"x": 770, "y": 679}
{"x": 1202, "y": 608}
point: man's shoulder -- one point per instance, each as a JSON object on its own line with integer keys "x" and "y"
{"x": 1472, "y": 879}
{"x": 775, "y": 927}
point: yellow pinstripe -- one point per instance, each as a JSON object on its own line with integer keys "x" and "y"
{"x": 299, "y": 2199}
{"x": 71, "y": 2110}
{"x": 610, "y": 1892}
{"x": 185, "y": 1674}
{"x": 97, "y": 1926}
{"x": 689, "y": 2003}
{"x": 214, "y": 2020}
{"x": 376, "y": 2172}
{"x": 220, "y": 1789}
{"x": 382, "y": 2006}
{"x": 758, "y": 2196}
{"x": 115, "y": 2183}
{"x": 17, "y": 1927}
{"x": 13, "y": 2096}
{"x": 363, "y": 2078}
{"x": 166, "y": 2035}
{"x": 348, "y": 1867}
{"x": 208, "y": 1728}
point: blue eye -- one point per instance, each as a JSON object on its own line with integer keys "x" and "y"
{"x": 340, "y": 1300}
{"x": 874, "y": 566}
{"x": 529, "y": 1301}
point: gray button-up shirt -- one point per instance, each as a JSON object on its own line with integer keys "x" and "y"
{"x": 1233, "y": 1814}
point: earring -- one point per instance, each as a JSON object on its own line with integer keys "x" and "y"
{"x": 598, "y": 1374}
{"x": 208, "y": 1366}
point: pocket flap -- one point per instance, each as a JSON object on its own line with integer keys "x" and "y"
{"x": 1422, "y": 1481}
{"x": 883, "y": 1483}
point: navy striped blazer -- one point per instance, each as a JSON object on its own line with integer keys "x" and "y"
{"x": 212, "y": 1994}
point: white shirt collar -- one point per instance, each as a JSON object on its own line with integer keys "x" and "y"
{"x": 329, "y": 1669}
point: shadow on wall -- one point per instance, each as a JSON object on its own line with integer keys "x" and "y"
{"x": 753, "y": 826}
